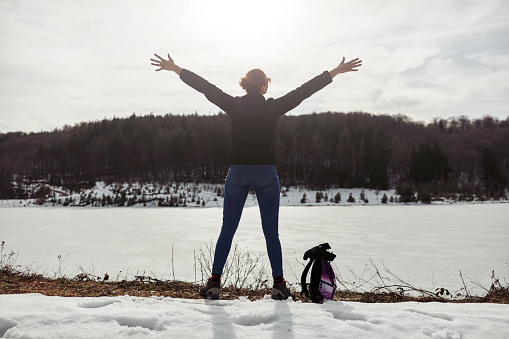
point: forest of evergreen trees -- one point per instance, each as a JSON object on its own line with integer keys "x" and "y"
{"x": 324, "y": 150}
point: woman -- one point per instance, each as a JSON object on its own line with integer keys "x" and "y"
{"x": 252, "y": 161}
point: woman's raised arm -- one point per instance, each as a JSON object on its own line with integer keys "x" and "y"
{"x": 211, "y": 92}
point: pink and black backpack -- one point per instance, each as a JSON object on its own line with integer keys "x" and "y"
{"x": 323, "y": 279}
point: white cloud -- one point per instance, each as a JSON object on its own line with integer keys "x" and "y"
{"x": 62, "y": 62}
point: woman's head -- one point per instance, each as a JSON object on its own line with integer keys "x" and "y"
{"x": 255, "y": 81}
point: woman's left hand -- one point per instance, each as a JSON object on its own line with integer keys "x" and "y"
{"x": 167, "y": 65}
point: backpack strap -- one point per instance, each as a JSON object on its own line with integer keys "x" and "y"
{"x": 303, "y": 284}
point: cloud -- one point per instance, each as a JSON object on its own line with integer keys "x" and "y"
{"x": 63, "y": 62}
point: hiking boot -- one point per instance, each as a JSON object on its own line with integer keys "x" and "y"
{"x": 211, "y": 290}
{"x": 281, "y": 292}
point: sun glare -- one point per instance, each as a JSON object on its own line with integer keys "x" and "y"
{"x": 233, "y": 20}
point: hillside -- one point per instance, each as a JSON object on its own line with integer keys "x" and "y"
{"x": 318, "y": 151}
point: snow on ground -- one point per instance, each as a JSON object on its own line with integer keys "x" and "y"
{"x": 425, "y": 245}
{"x": 37, "y": 316}
{"x": 204, "y": 195}
{"x": 197, "y": 195}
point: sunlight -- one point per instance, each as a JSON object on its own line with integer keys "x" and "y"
{"x": 241, "y": 21}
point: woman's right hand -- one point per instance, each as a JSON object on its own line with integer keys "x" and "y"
{"x": 350, "y": 66}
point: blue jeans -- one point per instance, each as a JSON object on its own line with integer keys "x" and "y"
{"x": 238, "y": 182}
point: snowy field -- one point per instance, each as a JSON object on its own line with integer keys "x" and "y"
{"x": 426, "y": 245}
{"x": 37, "y": 316}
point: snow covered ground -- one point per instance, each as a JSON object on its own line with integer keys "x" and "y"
{"x": 38, "y": 316}
{"x": 193, "y": 195}
{"x": 426, "y": 245}
{"x": 205, "y": 195}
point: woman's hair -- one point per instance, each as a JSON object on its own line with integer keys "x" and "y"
{"x": 253, "y": 81}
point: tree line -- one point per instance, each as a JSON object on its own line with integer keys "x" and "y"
{"x": 324, "y": 150}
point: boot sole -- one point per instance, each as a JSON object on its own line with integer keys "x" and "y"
{"x": 278, "y": 295}
{"x": 212, "y": 293}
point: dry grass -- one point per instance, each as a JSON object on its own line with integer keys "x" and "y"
{"x": 17, "y": 283}
{"x": 11, "y": 283}
{"x": 376, "y": 288}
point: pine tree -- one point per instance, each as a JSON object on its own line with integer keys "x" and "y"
{"x": 363, "y": 195}
{"x": 304, "y": 199}
{"x": 429, "y": 164}
{"x": 491, "y": 172}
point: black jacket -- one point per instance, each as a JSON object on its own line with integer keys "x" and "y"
{"x": 254, "y": 118}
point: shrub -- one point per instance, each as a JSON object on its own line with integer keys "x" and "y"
{"x": 425, "y": 197}
{"x": 303, "y": 200}
{"x": 406, "y": 194}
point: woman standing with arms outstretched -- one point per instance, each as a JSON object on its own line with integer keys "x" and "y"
{"x": 252, "y": 160}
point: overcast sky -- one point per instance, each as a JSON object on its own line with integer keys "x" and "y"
{"x": 65, "y": 61}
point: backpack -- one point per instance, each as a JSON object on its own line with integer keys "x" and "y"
{"x": 323, "y": 279}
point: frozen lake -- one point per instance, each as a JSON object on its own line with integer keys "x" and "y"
{"x": 426, "y": 245}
